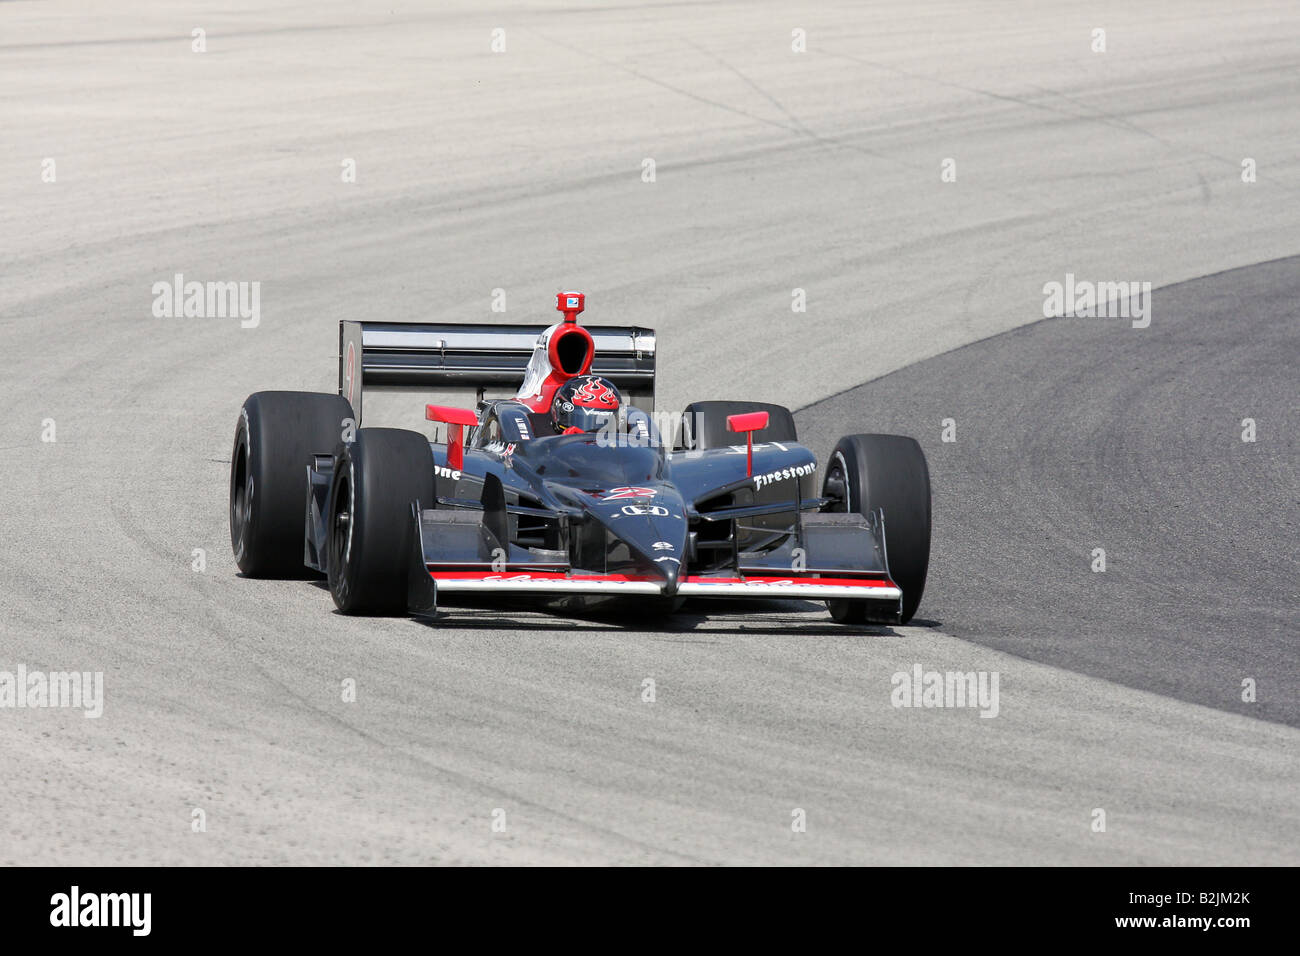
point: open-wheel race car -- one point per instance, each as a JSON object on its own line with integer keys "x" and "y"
{"x": 571, "y": 489}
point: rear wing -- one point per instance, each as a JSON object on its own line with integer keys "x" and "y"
{"x": 457, "y": 363}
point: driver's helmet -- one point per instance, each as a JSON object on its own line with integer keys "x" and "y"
{"x": 585, "y": 403}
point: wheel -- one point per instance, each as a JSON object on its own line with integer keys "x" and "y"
{"x": 275, "y": 438}
{"x": 705, "y": 424}
{"x": 369, "y": 536}
{"x": 866, "y": 472}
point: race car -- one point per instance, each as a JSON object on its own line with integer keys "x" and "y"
{"x": 571, "y": 491}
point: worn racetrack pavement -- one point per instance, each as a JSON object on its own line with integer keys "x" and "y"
{"x": 774, "y": 171}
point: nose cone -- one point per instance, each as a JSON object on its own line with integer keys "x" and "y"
{"x": 651, "y": 521}
{"x": 663, "y": 546}
{"x": 670, "y": 566}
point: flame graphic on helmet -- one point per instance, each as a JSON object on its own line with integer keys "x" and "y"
{"x": 594, "y": 393}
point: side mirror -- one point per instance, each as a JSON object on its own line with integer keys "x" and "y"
{"x": 747, "y": 422}
{"x": 456, "y": 419}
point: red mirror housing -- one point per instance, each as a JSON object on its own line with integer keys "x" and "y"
{"x": 456, "y": 419}
{"x": 748, "y": 422}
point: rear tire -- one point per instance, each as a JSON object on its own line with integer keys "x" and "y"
{"x": 866, "y": 472}
{"x": 369, "y": 538}
{"x": 705, "y": 424}
{"x": 275, "y": 438}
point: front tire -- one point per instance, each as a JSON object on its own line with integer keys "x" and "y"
{"x": 888, "y": 472}
{"x": 369, "y": 536}
{"x": 275, "y": 438}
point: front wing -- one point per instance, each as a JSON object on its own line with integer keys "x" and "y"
{"x": 808, "y": 587}
{"x": 451, "y": 552}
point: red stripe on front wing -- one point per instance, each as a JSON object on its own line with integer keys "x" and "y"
{"x": 537, "y": 576}
{"x": 805, "y": 579}
{"x": 689, "y": 579}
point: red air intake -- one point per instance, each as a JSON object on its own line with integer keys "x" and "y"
{"x": 571, "y": 350}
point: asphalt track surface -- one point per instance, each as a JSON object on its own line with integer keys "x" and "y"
{"x": 774, "y": 171}
{"x": 1082, "y": 433}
